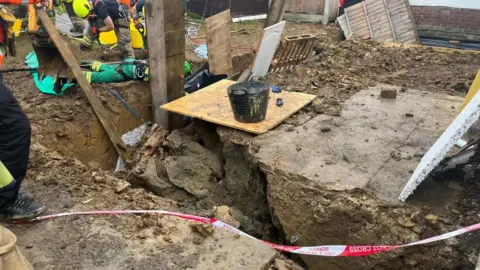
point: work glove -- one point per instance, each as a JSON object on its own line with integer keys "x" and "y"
{"x": 61, "y": 9}
{"x": 86, "y": 43}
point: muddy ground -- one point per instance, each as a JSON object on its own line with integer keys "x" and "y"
{"x": 71, "y": 153}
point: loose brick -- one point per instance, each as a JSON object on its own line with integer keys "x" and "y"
{"x": 388, "y": 93}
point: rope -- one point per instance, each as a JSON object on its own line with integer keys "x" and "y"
{"x": 192, "y": 31}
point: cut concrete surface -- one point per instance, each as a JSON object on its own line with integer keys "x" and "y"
{"x": 373, "y": 145}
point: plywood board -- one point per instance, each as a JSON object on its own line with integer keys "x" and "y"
{"x": 218, "y": 43}
{"x": 212, "y": 104}
{"x": 381, "y": 20}
{"x": 268, "y": 46}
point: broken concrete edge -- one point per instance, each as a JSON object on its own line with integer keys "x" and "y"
{"x": 442, "y": 146}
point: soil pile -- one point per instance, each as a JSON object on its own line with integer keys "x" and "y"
{"x": 341, "y": 68}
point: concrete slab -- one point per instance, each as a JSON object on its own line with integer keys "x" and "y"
{"x": 375, "y": 144}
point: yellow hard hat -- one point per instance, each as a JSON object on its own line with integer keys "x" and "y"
{"x": 82, "y": 8}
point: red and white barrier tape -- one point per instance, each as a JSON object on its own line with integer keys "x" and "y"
{"x": 330, "y": 250}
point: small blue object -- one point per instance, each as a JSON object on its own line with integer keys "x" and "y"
{"x": 202, "y": 51}
{"x": 279, "y": 102}
{"x": 276, "y": 89}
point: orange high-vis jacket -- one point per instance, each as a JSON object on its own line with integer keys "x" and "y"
{"x": 124, "y": 2}
{"x": 17, "y": 2}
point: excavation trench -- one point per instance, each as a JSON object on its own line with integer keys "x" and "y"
{"x": 273, "y": 193}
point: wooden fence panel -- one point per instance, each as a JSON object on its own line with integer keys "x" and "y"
{"x": 381, "y": 20}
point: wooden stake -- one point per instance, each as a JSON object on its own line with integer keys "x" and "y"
{"x": 166, "y": 45}
{"x": 92, "y": 97}
{"x": 156, "y": 59}
{"x": 275, "y": 13}
{"x": 175, "y": 55}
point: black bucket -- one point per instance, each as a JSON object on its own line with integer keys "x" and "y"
{"x": 249, "y": 101}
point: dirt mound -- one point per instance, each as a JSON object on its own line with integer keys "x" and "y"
{"x": 339, "y": 69}
{"x": 120, "y": 242}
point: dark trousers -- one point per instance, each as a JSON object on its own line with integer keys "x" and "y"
{"x": 15, "y": 136}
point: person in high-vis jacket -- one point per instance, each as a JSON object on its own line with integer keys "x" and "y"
{"x": 77, "y": 22}
{"x": 15, "y": 136}
{"x": 104, "y": 16}
{"x": 129, "y": 70}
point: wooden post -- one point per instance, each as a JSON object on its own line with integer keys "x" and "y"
{"x": 275, "y": 12}
{"x": 156, "y": 59}
{"x": 92, "y": 97}
{"x": 175, "y": 54}
{"x": 166, "y": 45}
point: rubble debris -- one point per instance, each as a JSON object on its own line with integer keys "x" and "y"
{"x": 191, "y": 174}
{"x": 177, "y": 139}
{"x": 121, "y": 186}
{"x": 284, "y": 264}
{"x": 333, "y": 111}
{"x": 204, "y": 230}
{"x": 388, "y": 93}
{"x": 223, "y": 213}
{"x": 206, "y": 156}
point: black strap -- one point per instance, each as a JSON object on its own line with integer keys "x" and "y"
{"x": 119, "y": 69}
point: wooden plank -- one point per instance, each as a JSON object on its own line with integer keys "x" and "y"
{"x": 377, "y": 13}
{"x": 377, "y": 6}
{"x": 348, "y": 22}
{"x": 212, "y": 104}
{"x": 355, "y": 12}
{"x": 92, "y": 97}
{"x": 404, "y": 28}
{"x": 368, "y": 21}
{"x": 157, "y": 59}
{"x": 174, "y": 16}
{"x": 399, "y": 19}
{"x": 395, "y": 4}
{"x": 359, "y": 20}
{"x": 219, "y": 43}
{"x": 276, "y": 12}
{"x": 406, "y": 34}
{"x": 398, "y": 11}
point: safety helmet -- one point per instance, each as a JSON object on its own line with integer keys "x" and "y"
{"x": 82, "y": 8}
